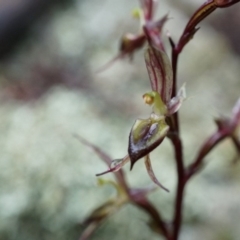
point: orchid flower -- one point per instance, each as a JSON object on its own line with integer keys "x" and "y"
{"x": 147, "y": 134}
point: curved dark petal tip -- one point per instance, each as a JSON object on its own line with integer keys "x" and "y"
{"x": 132, "y": 164}
{"x": 167, "y": 190}
{"x": 161, "y": 186}
{"x": 100, "y": 174}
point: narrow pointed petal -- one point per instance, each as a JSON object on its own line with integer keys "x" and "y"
{"x": 109, "y": 63}
{"x": 129, "y": 44}
{"x": 151, "y": 173}
{"x": 106, "y": 158}
{"x": 176, "y": 102}
{"x": 145, "y": 136}
{"x": 116, "y": 165}
{"x": 153, "y": 31}
{"x": 160, "y": 72}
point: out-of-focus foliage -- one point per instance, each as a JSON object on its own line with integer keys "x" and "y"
{"x": 49, "y": 92}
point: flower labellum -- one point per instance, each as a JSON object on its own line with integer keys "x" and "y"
{"x": 146, "y": 135}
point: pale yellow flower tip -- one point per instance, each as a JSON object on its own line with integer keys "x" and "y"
{"x": 136, "y": 13}
{"x": 148, "y": 99}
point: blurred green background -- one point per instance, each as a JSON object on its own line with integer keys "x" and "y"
{"x": 49, "y": 54}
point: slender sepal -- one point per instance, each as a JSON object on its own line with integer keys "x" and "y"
{"x": 151, "y": 173}
{"x": 160, "y": 72}
{"x": 153, "y": 32}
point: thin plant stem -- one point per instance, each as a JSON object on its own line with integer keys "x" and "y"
{"x": 174, "y": 92}
{"x": 177, "y": 220}
{"x": 178, "y": 149}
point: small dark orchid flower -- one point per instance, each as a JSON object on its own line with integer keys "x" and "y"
{"x": 147, "y": 134}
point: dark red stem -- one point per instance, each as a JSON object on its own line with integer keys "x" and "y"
{"x": 177, "y": 143}
{"x": 177, "y": 220}
{"x": 174, "y": 91}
